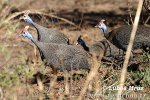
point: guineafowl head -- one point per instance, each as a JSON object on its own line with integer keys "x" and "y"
{"x": 26, "y": 17}
{"x": 26, "y": 34}
{"x": 80, "y": 41}
{"x": 102, "y": 26}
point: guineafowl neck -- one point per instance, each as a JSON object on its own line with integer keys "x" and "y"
{"x": 37, "y": 43}
{"x": 107, "y": 35}
{"x": 37, "y": 27}
{"x": 85, "y": 47}
{"x": 34, "y": 40}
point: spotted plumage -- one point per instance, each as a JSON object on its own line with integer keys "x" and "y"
{"x": 120, "y": 36}
{"x": 47, "y": 35}
{"x": 61, "y": 56}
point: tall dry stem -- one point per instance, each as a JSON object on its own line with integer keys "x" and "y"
{"x": 92, "y": 74}
{"x": 129, "y": 49}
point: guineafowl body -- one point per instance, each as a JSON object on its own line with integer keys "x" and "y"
{"x": 61, "y": 56}
{"x": 45, "y": 34}
{"x": 120, "y": 36}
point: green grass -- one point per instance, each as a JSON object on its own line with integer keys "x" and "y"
{"x": 11, "y": 29}
{"x": 145, "y": 57}
{"x": 144, "y": 75}
{"x": 14, "y": 75}
{"x": 5, "y": 52}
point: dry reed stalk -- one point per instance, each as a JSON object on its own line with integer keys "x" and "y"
{"x": 145, "y": 23}
{"x": 71, "y": 84}
{"x": 1, "y": 94}
{"x": 61, "y": 97}
{"x": 35, "y": 51}
{"x": 40, "y": 84}
{"x": 127, "y": 57}
{"x": 52, "y": 84}
{"x": 92, "y": 74}
{"x": 66, "y": 83}
{"x": 98, "y": 87}
{"x": 130, "y": 11}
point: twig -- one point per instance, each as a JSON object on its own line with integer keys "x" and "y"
{"x": 1, "y": 94}
{"x": 40, "y": 84}
{"x": 147, "y": 20}
{"x": 133, "y": 33}
{"x": 107, "y": 78}
{"x": 82, "y": 15}
{"x": 35, "y": 12}
{"x": 66, "y": 83}
{"x": 129, "y": 10}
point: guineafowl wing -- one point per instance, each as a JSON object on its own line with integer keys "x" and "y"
{"x": 50, "y": 35}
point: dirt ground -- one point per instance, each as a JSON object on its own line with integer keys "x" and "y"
{"x": 20, "y": 67}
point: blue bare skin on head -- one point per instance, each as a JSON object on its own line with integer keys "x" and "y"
{"x": 103, "y": 28}
{"x": 27, "y": 19}
{"x": 27, "y": 35}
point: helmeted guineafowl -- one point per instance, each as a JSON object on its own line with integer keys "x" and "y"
{"x": 47, "y": 35}
{"x": 60, "y": 56}
{"x": 120, "y": 36}
{"x": 97, "y": 48}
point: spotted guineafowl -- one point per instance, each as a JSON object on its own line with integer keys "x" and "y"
{"x": 97, "y": 48}
{"x": 60, "y": 56}
{"x": 120, "y": 36}
{"x": 45, "y": 34}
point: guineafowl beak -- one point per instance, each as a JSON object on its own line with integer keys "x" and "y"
{"x": 20, "y": 35}
{"x": 21, "y": 18}
{"x": 97, "y": 26}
